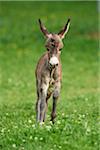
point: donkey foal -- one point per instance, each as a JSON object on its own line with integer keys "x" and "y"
{"x": 49, "y": 73}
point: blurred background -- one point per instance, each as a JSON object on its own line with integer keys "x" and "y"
{"x": 22, "y": 44}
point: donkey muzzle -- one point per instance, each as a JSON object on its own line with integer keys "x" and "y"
{"x": 54, "y": 61}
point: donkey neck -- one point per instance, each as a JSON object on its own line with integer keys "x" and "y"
{"x": 52, "y": 70}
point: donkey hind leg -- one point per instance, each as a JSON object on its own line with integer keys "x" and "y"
{"x": 55, "y": 97}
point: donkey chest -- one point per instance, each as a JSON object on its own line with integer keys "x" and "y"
{"x": 51, "y": 84}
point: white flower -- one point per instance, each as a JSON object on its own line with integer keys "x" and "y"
{"x": 51, "y": 122}
{"x": 35, "y": 138}
{"x": 14, "y": 145}
{"x": 59, "y": 147}
{"x": 23, "y": 140}
{"x": 41, "y": 138}
{"x": 31, "y": 137}
{"x": 2, "y": 130}
{"x": 63, "y": 114}
{"x": 30, "y": 121}
{"x": 83, "y": 115}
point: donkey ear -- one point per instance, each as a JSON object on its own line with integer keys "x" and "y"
{"x": 64, "y": 30}
{"x": 43, "y": 29}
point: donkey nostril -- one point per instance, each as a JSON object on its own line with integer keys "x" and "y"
{"x": 53, "y": 44}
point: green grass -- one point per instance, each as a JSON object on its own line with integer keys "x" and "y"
{"x": 21, "y": 45}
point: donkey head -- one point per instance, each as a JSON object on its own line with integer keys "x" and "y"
{"x": 54, "y": 43}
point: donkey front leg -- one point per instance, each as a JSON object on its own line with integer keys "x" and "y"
{"x": 55, "y": 98}
{"x": 38, "y": 109}
{"x": 38, "y": 100}
{"x": 47, "y": 98}
{"x": 43, "y": 91}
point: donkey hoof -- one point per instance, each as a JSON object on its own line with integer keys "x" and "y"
{"x": 52, "y": 120}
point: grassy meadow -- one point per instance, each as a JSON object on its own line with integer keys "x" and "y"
{"x": 21, "y": 45}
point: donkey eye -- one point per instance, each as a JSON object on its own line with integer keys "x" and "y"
{"x": 52, "y": 40}
{"x": 60, "y": 49}
{"x": 47, "y": 49}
